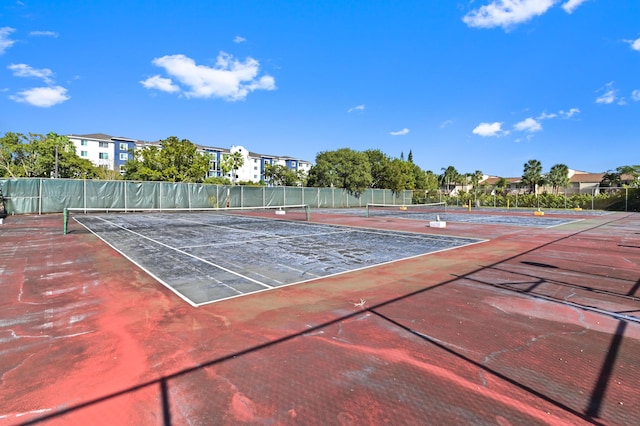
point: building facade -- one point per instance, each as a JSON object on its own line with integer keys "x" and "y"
{"x": 113, "y": 152}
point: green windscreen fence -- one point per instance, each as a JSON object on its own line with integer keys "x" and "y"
{"x": 28, "y": 196}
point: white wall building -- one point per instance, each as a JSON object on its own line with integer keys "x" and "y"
{"x": 112, "y": 152}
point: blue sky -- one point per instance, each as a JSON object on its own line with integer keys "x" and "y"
{"x": 476, "y": 84}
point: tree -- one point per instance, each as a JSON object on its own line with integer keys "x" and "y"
{"x": 632, "y": 171}
{"x": 42, "y": 156}
{"x": 401, "y": 176}
{"x": 344, "y": 168}
{"x": 231, "y": 163}
{"x": 175, "y": 161}
{"x": 558, "y": 177}
{"x": 410, "y": 157}
{"x": 475, "y": 179}
{"x": 277, "y": 175}
{"x": 379, "y": 163}
{"x": 449, "y": 176}
{"x": 532, "y": 175}
{"x": 501, "y": 185}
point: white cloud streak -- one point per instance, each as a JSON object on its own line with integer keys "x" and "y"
{"x": 24, "y": 70}
{"x": 528, "y": 125}
{"x": 509, "y": 13}
{"x": 635, "y": 44}
{"x": 43, "y": 97}
{"x": 635, "y": 95}
{"x": 506, "y": 13}
{"x": 570, "y": 113}
{"x": 229, "y": 79}
{"x": 44, "y": 34}
{"x": 160, "y": 83}
{"x": 5, "y": 41}
{"x": 609, "y": 96}
{"x": 446, "y": 123}
{"x": 572, "y": 5}
{"x": 402, "y": 132}
{"x": 239, "y": 39}
{"x": 356, "y": 108}
{"x": 489, "y": 129}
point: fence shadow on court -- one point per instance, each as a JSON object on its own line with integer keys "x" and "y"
{"x": 590, "y": 414}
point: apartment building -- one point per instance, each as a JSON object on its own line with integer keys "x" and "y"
{"x": 103, "y": 150}
{"x": 113, "y": 152}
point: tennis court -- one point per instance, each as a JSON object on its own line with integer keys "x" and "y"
{"x": 207, "y": 256}
{"x": 440, "y": 211}
{"x": 532, "y": 326}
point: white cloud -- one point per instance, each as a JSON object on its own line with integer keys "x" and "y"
{"x": 545, "y": 116}
{"x": 24, "y": 70}
{"x": 44, "y": 33}
{"x": 506, "y": 13}
{"x": 356, "y": 108}
{"x": 528, "y": 125}
{"x": 609, "y": 96}
{"x": 489, "y": 129}
{"x": 572, "y": 5}
{"x": 509, "y": 13}
{"x": 400, "y": 132}
{"x": 5, "y": 41}
{"x": 570, "y": 113}
{"x": 160, "y": 83}
{"x": 635, "y": 95}
{"x": 446, "y": 123}
{"x": 42, "y": 96}
{"x": 239, "y": 39}
{"x": 635, "y": 44}
{"x": 229, "y": 79}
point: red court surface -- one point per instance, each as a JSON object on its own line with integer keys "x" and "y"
{"x": 534, "y": 326}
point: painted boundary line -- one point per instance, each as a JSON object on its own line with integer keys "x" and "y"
{"x": 345, "y": 230}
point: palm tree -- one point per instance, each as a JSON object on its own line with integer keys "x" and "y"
{"x": 558, "y": 177}
{"x": 501, "y": 185}
{"x": 449, "y": 176}
{"x": 532, "y": 175}
{"x": 231, "y": 163}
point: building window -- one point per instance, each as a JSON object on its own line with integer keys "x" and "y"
{"x": 293, "y": 164}
{"x": 124, "y": 156}
{"x": 83, "y": 142}
{"x": 83, "y": 153}
{"x": 103, "y": 155}
{"x": 124, "y": 147}
{"x": 103, "y": 144}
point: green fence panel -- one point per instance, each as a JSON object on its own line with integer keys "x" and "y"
{"x": 104, "y": 194}
{"x": 56, "y": 194}
{"x": 21, "y": 195}
{"x": 141, "y": 195}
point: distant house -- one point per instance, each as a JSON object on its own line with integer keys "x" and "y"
{"x": 583, "y": 182}
{"x": 513, "y": 185}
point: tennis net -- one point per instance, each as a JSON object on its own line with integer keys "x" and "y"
{"x": 429, "y": 211}
{"x": 298, "y": 212}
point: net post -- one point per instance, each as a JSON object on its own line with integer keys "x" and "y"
{"x": 307, "y": 209}
{"x": 368, "y": 209}
{"x": 65, "y": 218}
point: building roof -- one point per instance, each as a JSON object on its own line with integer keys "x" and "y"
{"x": 584, "y": 177}
{"x": 103, "y": 136}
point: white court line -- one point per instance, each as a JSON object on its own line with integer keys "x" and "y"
{"x": 273, "y": 237}
{"x": 346, "y": 271}
{"x": 179, "y": 251}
